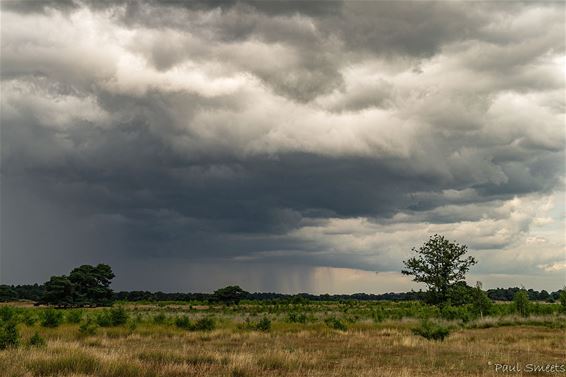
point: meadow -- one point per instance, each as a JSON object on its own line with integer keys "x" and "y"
{"x": 271, "y": 338}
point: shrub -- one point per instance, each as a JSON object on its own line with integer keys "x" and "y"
{"x": 103, "y": 319}
{"x": 183, "y": 322}
{"x": 336, "y": 324}
{"x": 378, "y": 315}
{"x": 159, "y": 318}
{"x": 118, "y": 316}
{"x": 7, "y": 313}
{"x": 521, "y": 302}
{"x": 563, "y": 300}
{"x": 264, "y": 324}
{"x": 29, "y": 318}
{"x": 9, "y": 335}
{"x": 74, "y": 316}
{"x": 294, "y": 317}
{"x": 89, "y": 327}
{"x": 51, "y": 318}
{"x": 36, "y": 340}
{"x": 204, "y": 324}
{"x": 431, "y": 331}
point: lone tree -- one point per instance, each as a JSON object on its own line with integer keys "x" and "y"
{"x": 441, "y": 265}
{"x": 85, "y": 286}
{"x": 229, "y": 295}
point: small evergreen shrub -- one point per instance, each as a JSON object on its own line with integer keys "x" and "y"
{"x": 89, "y": 327}
{"x": 159, "y": 318}
{"x": 264, "y": 324}
{"x": 7, "y": 313}
{"x": 36, "y": 340}
{"x": 103, "y": 319}
{"x": 336, "y": 324}
{"x": 52, "y": 318}
{"x": 74, "y": 316}
{"x": 9, "y": 335}
{"x": 204, "y": 324}
{"x": 431, "y": 331}
{"x": 294, "y": 317}
{"x": 183, "y": 322}
{"x": 118, "y": 316}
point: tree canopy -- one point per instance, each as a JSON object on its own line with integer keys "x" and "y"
{"x": 441, "y": 265}
{"x": 229, "y": 295}
{"x": 85, "y": 286}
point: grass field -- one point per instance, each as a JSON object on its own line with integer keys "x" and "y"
{"x": 316, "y": 339}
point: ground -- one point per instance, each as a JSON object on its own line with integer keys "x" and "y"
{"x": 145, "y": 346}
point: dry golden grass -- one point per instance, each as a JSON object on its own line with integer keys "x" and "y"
{"x": 388, "y": 350}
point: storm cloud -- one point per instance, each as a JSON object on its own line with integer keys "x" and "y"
{"x": 263, "y": 143}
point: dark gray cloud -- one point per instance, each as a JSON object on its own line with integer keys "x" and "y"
{"x": 278, "y": 133}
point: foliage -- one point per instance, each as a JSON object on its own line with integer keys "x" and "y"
{"x": 92, "y": 284}
{"x": 295, "y": 317}
{"x": 74, "y": 316}
{"x": 51, "y": 318}
{"x": 118, "y": 316}
{"x": 89, "y": 327}
{"x": 36, "y": 340}
{"x": 264, "y": 324}
{"x": 7, "y": 313}
{"x": 204, "y": 324}
{"x": 9, "y": 335}
{"x": 58, "y": 291}
{"x": 481, "y": 304}
{"x": 563, "y": 300}
{"x": 85, "y": 286}
{"x": 335, "y": 323}
{"x": 521, "y": 302}
{"x": 440, "y": 264}
{"x": 183, "y": 322}
{"x": 431, "y": 331}
{"x": 159, "y": 318}
{"x": 229, "y": 295}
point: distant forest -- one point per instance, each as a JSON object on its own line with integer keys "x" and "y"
{"x": 35, "y": 292}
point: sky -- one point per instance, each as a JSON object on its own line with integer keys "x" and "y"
{"x": 282, "y": 146}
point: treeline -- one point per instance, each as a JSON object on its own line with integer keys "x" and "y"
{"x": 35, "y": 292}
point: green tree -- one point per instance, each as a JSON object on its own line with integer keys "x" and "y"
{"x": 439, "y": 264}
{"x": 92, "y": 284}
{"x": 229, "y": 295}
{"x": 563, "y": 299}
{"x": 481, "y": 303}
{"x": 85, "y": 285}
{"x": 58, "y": 291}
{"x": 521, "y": 301}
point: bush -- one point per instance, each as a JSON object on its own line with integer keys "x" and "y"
{"x": 336, "y": 324}
{"x": 297, "y": 317}
{"x": 378, "y": 315}
{"x": 51, "y": 318}
{"x": 204, "y": 324}
{"x": 183, "y": 322}
{"x": 9, "y": 335}
{"x": 159, "y": 318}
{"x": 118, "y": 316}
{"x": 89, "y": 327}
{"x": 28, "y": 318}
{"x": 264, "y": 324}
{"x": 431, "y": 331}
{"x": 103, "y": 319}
{"x": 521, "y": 302}
{"x": 7, "y": 313}
{"x": 36, "y": 340}
{"x": 74, "y": 316}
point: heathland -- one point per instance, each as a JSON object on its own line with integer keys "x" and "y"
{"x": 282, "y": 338}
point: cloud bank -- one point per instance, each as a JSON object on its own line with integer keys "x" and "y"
{"x": 281, "y": 139}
